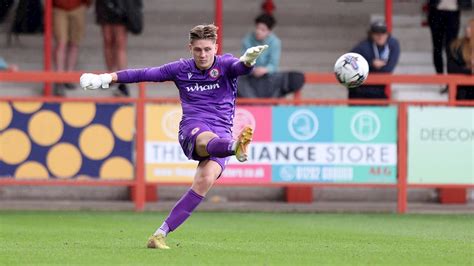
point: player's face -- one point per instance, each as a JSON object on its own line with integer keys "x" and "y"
{"x": 380, "y": 38}
{"x": 203, "y": 52}
{"x": 261, "y": 31}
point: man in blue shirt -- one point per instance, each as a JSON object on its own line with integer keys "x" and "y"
{"x": 265, "y": 80}
{"x": 269, "y": 61}
{"x": 381, "y": 51}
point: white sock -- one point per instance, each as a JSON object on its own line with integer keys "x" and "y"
{"x": 234, "y": 146}
{"x": 159, "y": 231}
{"x": 162, "y": 230}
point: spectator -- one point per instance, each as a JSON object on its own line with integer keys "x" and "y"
{"x": 28, "y": 17}
{"x": 460, "y": 62}
{"x": 68, "y": 19}
{"x": 5, "y": 8}
{"x": 443, "y": 19}
{"x": 381, "y": 51}
{"x": 112, "y": 18}
{"x": 263, "y": 34}
{"x": 265, "y": 81}
{"x": 4, "y": 66}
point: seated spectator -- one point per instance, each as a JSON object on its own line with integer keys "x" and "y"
{"x": 265, "y": 81}
{"x": 4, "y": 66}
{"x": 460, "y": 62}
{"x": 381, "y": 51}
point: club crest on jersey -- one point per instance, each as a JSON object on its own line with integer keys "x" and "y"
{"x": 214, "y": 73}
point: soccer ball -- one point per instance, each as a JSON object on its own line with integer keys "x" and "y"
{"x": 351, "y": 70}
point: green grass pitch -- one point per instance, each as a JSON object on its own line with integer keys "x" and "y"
{"x": 98, "y": 238}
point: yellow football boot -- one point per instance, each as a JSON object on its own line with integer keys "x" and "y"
{"x": 243, "y": 141}
{"x": 158, "y": 241}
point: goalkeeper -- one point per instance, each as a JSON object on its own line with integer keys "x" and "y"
{"x": 207, "y": 88}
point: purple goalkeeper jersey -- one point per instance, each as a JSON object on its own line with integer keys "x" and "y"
{"x": 205, "y": 94}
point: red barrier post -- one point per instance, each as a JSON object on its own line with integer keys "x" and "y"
{"x": 139, "y": 196}
{"x": 388, "y": 21}
{"x": 219, "y": 24}
{"x": 452, "y": 90}
{"x": 402, "y": 158}
{"x": 48, "y": 6}
{"x": 297, "y": 95}
{"x": 389, "y": 14}
{"x": 388, "y": 91}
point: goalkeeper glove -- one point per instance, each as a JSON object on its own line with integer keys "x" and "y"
{"x": 93, "y": 82}
{"x": 250, "y": 56}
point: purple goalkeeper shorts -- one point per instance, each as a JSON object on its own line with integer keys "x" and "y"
{"x": 188, "y": 132}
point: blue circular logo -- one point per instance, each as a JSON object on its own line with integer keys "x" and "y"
{"x": 303, "y": 124}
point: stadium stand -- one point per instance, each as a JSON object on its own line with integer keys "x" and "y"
{"x": 326, "y": 32}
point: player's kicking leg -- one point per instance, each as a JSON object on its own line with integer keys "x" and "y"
{"x": 206, "y": 144}
{"x": 206, "y": 174}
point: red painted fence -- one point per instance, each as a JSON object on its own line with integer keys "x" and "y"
{"x": 139, "y": 183}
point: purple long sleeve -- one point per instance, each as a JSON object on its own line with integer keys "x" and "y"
{"x": 239, "y": 69}
{"x": 236, "y": 67}
{"x": 207, "y": 95}
{"x": 156, "y": 74}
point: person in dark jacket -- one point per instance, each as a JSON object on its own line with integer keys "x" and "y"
{"x": 28, "y": 17}
{"x": 460, "y": 62}
{"x": 381, "y": 51}
{"x": 444, "y": 20}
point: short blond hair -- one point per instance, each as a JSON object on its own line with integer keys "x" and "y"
{"x": 201, "y": 32}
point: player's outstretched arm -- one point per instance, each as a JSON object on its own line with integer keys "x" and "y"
{"x": 165, "y": 72}
{"x": 249, "y": 58}
{"x": 91, "y": 81}
{"x": 245, "y": 64}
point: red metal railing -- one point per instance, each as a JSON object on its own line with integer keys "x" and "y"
{"x": 139, "y": 183}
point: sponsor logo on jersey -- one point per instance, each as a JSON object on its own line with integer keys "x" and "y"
{"x": 207, "y": 87}
{"x": 190, "y": 75}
